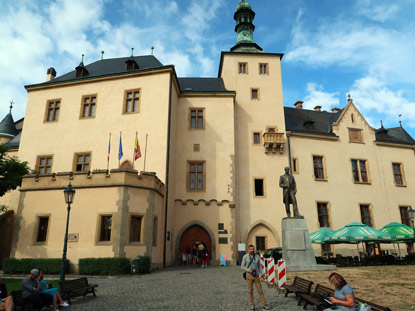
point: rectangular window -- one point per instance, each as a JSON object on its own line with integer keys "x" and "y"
{"x": 359, "y": 170}
{"x": 263, "y": 69}
{"x": 260, "y": 243}
{"x": 155, "y": 231}
{"x": 196, "y": 176}
{"x": 88, "y": 106}
{"x": 318, "y": 167}
{"x": 323, "y": 215}
{"x": 135, "y": 228}
{"x": 365, "y": 214}
{"x": 196, "y": 121}
{"x": 132, "y": 101}
{"x": 44, "y": 164}
{"x": 259, "y": 187}
{"x": 243, "y": 68}
{"x": 295, "y": 167}
{"x": 405, "y": 219}
{"x": 52, "y": 110}
{"x": 105, "y": 228}
{"x": 355, "y": 135}
{"x": 82, "y": 162}
{"x": 196, "y": 147}
{"x": 397, "y": 174}
{"x": 257, "y": 138}
{"x": 255, "y": 94}
{"x": 42, "y": 229}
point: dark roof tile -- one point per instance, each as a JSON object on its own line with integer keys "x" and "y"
{"x": 202, "y": 85}
{"x": 395, "y": 135}
{"x": 7, "y": 126}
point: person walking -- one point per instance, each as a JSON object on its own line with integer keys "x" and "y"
{"x": 251, "y": 265}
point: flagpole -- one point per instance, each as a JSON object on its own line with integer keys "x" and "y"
{"x": 109, "y": 150}
{"x": 145, "y": 154}
{"x": 119, "y": 148}
{"x": 136, "y": 135}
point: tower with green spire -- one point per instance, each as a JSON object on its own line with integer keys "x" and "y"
{"x": 244, "y": 28}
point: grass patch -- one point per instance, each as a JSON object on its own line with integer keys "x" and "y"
{"x": 15, "y": 284}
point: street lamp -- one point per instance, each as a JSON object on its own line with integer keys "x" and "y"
{"x": 69, "y": 195}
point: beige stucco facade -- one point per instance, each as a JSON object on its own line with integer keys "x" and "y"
{"x": 242, "y": 149}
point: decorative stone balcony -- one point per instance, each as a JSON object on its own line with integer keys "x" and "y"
{"x": 274, "y": 141}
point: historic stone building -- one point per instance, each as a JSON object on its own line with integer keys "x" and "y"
{"x": 215, "y": 150}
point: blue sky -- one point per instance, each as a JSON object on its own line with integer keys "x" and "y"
{"x": 331, "y": 47}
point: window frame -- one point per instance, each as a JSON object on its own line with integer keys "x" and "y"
{"x": 75, "y": 157}
{"x": 245, "y": 71}
{"x": 359, "y": 171}
{"x": 99, "y": 229}
{"x": 253, "y": 138}
{"x": 405, "y": 219}
{"x": 296, "y": 167}
{"x": 323, "y": 168}
{"x": 355, "y": 130}
{"x": 126, "y": 98}
{"x": 258, "y": 94}
{"x": 264, "y": 188}
{"x": 141, "y": 233}
{"x": 188, "y": 172}
{"x": 83, "y": 104}
{"x": 39, "y": 158}
{"x": 256, "y": 242}
{"x": 36, "y": 233}
{"x": 54, "y": 109}
{"x": 260, "y": 71}
{"x": 369, "y": 209}
{"x": 402, "y": 174}
{"x": 328, "y": 214}
{"x": 197, "y": 110}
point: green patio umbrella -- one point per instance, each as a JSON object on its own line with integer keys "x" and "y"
{"x": 401, "y": 233}
{"x": 317, "y": 237}
{"x": 356, "y": 232}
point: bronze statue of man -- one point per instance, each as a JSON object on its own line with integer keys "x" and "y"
{"x": 287, "y": 183}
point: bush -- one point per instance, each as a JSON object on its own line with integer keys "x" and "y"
{"x": 104, "y": 266}
{"x": 24, "y": 265}
{"x": 144, "y": 264}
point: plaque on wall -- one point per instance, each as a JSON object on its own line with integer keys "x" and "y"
{"x": 73, "y": 237}
{"x": 223, "y": 240}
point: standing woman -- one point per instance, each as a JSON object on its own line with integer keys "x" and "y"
{"x": 343, "y": 295}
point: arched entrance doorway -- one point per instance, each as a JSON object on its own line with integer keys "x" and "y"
{"x": 193, "y": 235}
{"x": 261, "y": 237}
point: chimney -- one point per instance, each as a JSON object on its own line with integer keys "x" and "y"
{"x": 317, "y": 108}
{"x": 335, "y": 110}
{"x": 299, "y": 104}
{"x": 51, "y": 74}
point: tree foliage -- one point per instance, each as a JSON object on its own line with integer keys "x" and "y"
{"x": 11, "y": 171}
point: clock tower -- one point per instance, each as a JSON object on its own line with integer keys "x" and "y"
{"x": 244, "y": 28}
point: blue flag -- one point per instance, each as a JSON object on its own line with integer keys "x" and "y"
{"x": 120, "y": 154}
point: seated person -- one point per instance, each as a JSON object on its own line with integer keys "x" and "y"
{"x": 31, "y": 288}
{"x": 6, "y": 303}
{"x": 51, "y": 291}
{"x": 343, "y": 295}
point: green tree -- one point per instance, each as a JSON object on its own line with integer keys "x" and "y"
{"x": 11, "y": 172}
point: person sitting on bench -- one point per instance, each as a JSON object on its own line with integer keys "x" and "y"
{"x": 343, "y": 295}
{"x": 31, "y": 288}
{"x": 6, "y": 302}
{"x": 47, "y": 289}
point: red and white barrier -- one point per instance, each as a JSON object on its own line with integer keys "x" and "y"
{"x": 271, "y": 271}
{"x": 262, "y": 262}
{"x": 282, "y": 277}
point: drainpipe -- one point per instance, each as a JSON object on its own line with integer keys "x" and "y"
{"x": 166, "y": 197}
{"x": 289, "y": 154}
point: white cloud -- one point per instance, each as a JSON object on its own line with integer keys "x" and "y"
{"x": 317, "y": 97}
{"x": 377, "y": 12}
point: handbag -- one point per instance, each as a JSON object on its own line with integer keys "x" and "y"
{"x": 244, "y": 274}
{"x": 363, "y": 307}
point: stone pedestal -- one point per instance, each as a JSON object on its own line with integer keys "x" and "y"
{"x": 296, "y": 247}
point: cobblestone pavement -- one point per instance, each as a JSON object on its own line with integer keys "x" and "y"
{"x": 186, "y": 288}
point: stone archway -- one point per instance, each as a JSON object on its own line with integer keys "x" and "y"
{"x": 262, "y": 233}
{"x": 196, "y": 231}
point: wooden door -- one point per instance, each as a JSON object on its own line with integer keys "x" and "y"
{"x": 195, "y": 234}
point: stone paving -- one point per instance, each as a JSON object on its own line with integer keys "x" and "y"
{"x": 185, "y": 288}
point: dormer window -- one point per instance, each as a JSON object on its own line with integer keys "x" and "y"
{"x": 131, "y": 64}
{"x": 81, "y": 71}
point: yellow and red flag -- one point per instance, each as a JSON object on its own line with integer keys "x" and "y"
{"x": 137, "y": 151}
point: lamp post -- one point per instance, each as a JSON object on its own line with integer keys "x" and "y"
{"x": 69, "y": 193}
{"x": 411, "y": 213}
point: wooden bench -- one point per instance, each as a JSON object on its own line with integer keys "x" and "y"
{"x": 316, "y": 298}
{"x": 299, "y": 286}
{"x": 375, "y": 307}
{"x": 18, "y": 301}
{"x": 76, "y": 288}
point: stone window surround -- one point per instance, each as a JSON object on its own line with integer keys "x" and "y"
{"x": 39, "y": 167}
{"x": 89, "y": 104}
{"x": 55, "y": 108}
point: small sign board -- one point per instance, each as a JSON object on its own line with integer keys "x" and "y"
{"x": 73, "y": 237}
{"x": 241, "y": 247}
